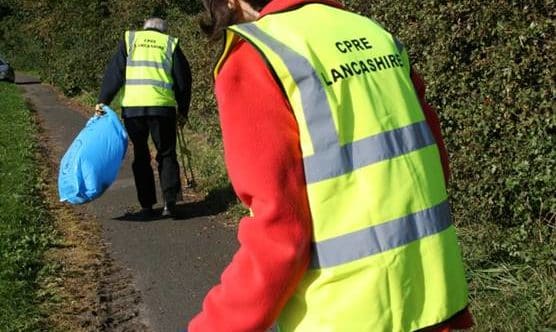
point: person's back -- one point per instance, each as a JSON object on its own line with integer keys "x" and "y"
{"x": 384, "y": 255}
{"x": 154, "y": 78}
{"x": 149, "y": 69}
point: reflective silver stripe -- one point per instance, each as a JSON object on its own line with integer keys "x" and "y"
{"x": 313, "y": 97}
{"x": 380, "y": 238}
{"x": 330, "y": 159}
{"x": 153, "y": 64}
{"x": 169, "y": 50}
{"x": 149, "y": 82}
{"x": 399, "y": 45}
{"x": 386, "y": 145}
{"x": 166, "y": 64}
{"x": 130, "y": 42}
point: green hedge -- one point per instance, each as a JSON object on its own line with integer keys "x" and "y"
{"x": 490, "y": 66}
{"x": 70, "y": 42}
{"x": 490, "y": 73}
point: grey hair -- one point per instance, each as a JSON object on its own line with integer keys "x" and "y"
{"x": 156, "y": 23}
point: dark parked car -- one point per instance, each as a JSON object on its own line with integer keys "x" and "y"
{"x": 6, "y": 71}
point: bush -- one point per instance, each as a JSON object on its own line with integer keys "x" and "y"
{"x": 489, "y": 69}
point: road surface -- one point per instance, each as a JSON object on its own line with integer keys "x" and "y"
{"x": 173, "y": 263}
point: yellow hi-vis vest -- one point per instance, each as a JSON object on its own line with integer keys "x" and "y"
{"x": 148, "y": 72}
{"x": 385, "y": 253}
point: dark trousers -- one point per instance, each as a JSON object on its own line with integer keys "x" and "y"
{"x": 163, "y": 133}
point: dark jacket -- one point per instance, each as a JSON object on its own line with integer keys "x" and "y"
{"x": 114, "y": 79}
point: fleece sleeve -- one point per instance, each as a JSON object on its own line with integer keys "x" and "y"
{"x": 181, "y": 73}
{"x": 264, "y": 162}
{"x": 433, "y": 122}
{"x": 114, "y": 75}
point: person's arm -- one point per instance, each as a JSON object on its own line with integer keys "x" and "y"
{"x": 114, "y": 75}
{"x": 433, "y": 122}
{"x": 264, "y": 162}
{"x": 181, "y": 73}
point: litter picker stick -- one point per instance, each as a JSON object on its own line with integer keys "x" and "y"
{"x": 186, "y": 165}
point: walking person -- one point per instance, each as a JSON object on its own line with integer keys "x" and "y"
{"x": 341, "y": 162}
{"x": 154, "y": 78}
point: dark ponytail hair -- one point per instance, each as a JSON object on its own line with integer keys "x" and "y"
{"x": 218, "y": 16}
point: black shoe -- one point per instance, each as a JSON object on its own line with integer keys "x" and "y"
{"x": 144, "y": 214}
{"x": 169, "y": 210}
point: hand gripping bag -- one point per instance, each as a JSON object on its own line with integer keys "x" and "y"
{"x": 91, "y": 163}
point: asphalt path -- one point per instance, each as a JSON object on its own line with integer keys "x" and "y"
{"x": 173, "y": 263}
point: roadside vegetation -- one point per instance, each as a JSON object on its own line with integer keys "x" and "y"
{"x": 25, "y": 223}
{"x": 490, "y": 73}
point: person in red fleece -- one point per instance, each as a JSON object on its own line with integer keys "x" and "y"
{"x": 265, "y": 165}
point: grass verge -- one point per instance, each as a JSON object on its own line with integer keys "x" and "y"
{"x": 74, "y": 288}
{"x": 26, "y": 230}
{"x": 508, "y": 293}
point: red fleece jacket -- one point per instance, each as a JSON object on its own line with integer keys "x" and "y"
{"x": 264, "y": 162}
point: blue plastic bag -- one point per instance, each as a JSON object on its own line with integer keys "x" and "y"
{"x": 91, "y": 163}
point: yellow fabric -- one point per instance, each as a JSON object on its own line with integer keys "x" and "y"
{"x": 230, "y": 41}
{"x": 418, "y": 184}
{"x": 150, "y": 48}
{"x": 365, "y": 74}
{"x": 355, "y": 296}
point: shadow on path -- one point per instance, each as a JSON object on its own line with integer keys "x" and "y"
{"x": 217, "y": 201}
{"x": 26, "y": 80}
